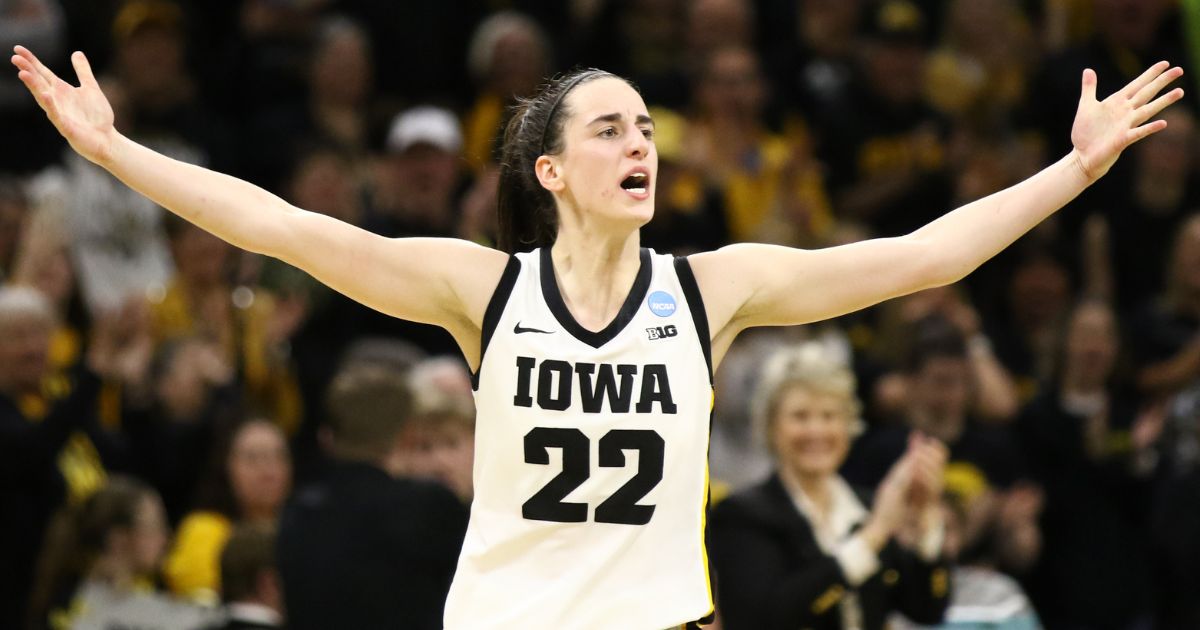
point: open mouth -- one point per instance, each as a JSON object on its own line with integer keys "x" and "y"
{"x": 636, "y": 183}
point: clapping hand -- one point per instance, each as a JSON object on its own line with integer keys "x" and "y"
{"x": 929, "y": 463}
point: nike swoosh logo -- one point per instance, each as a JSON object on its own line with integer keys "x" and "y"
{"x": 518, "y": 330}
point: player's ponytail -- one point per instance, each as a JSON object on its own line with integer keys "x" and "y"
{"x": 528, "y": 217}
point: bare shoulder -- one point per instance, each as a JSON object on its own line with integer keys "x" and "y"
{"x": 481, "y": 268}
{"x": 726, "y": 281}
{"x": 731, "y": 275}
{"x": 442, "y": 281}
{"x": 470, "y": 271}
{"x": 721, "y": 277}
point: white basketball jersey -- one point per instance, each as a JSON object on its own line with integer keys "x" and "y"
{"x": 591, "y": 452}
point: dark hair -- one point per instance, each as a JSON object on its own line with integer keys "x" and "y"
{"x": 528, "y": 217}
{"x": 77, "y": 536}
{"x": 934, "y": 337}
{"x": 1119, "y": 376}
{"x": 13, "y": 191}
{"x": 368, "y": 405}
{"x": 215, "y": 491}
{"x": 249, "y": 551}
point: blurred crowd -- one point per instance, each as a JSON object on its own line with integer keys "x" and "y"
{"x": 184, "y": 424}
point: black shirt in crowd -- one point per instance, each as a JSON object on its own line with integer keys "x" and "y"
{"x": 360, "y": 549}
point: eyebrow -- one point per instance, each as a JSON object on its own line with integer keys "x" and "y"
{"x": 642, "y": 119}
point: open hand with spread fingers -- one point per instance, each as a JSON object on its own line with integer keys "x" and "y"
{"x": 81, "y": 114}
{"x": 1103, "y": 129}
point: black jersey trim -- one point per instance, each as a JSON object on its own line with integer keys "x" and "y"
{"x": 633, "y": 301}
{"x": 691, "y": 292}
{"x": 495, "y": 308}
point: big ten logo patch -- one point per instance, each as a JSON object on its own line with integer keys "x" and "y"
{"x": 661, "y": 303}
{"x": 661, "y": 332}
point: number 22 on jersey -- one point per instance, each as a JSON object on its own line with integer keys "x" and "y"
{"x": 620, "y": 508}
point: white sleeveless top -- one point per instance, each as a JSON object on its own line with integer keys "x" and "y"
{"x": 591, "y": 452}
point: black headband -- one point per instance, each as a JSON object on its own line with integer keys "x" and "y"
{"x": 558, "y": 100}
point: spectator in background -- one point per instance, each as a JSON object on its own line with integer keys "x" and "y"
{"x": 1164, "y": 332}
{"x": 1175, "y": 518}
{"x": 250, "y": 584}
{"x": 418, "y": 48}
{"x": 357, "y": 547}
{"x": 738, "y": 452}
{"x": 774, "y": 190}
{"x": 1144, "y": 219}
{"x": 270, "y": 65}
{"x": 808, "y": 49}
{"x": 247, "y": 325}
{"x": 939, "y": 402}
{"x": 802, "y": 549}
{"x": 52, "y": 448}
{"x": 979, "y": 73}
{"x": 689, "y": 215}
{"x": 1036, "y": 300}
{"x": 647, "y": 40}
{"x": 1085, "y": 438}
{"x": 439, "y": 437}
{"x": 396, "y": 355}
{"x": 884, "y": 144}
{"x": 995, "y": 396}
{"x": 171, "y": 420}
{"x": 341, "y": 82}
{"x": 507, "y": 58}
{"x": 14, "y": 212}
{"x": 248, "y": 482}
{"x": 982, "y": 598}
{"x": 163, "y": 107}
{"x": 713, "y": 25}
{"x": 336, "y": 109}
{"x": 417, "y": 190}
{"x": 27, "y": 22}
{"x": 43, "y": 263}
{"x": 417, "y": 183}
{"x": 100, "y": 562}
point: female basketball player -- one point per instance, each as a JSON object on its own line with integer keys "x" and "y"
{"x": 593, "y": 357}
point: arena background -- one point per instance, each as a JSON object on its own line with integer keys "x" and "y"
{"x": 1066, "y": 370}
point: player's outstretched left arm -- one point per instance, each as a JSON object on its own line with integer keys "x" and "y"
{"x": 762, "y": 285}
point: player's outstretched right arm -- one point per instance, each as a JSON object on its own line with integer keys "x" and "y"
{"x": 437, "y": 281}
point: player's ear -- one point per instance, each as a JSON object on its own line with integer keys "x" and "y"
{"x": 548, "y": 169}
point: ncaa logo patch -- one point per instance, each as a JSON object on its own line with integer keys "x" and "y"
{"x": 661, "y": 303}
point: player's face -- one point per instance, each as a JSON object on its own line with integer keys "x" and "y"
{"x": 811, "y": 432}
{"x": 609, "y": 165}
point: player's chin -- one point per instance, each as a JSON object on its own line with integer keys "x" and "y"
{"x": 641, "y": 210}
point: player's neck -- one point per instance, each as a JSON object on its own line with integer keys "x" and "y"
{"x": 595, "y": 274}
